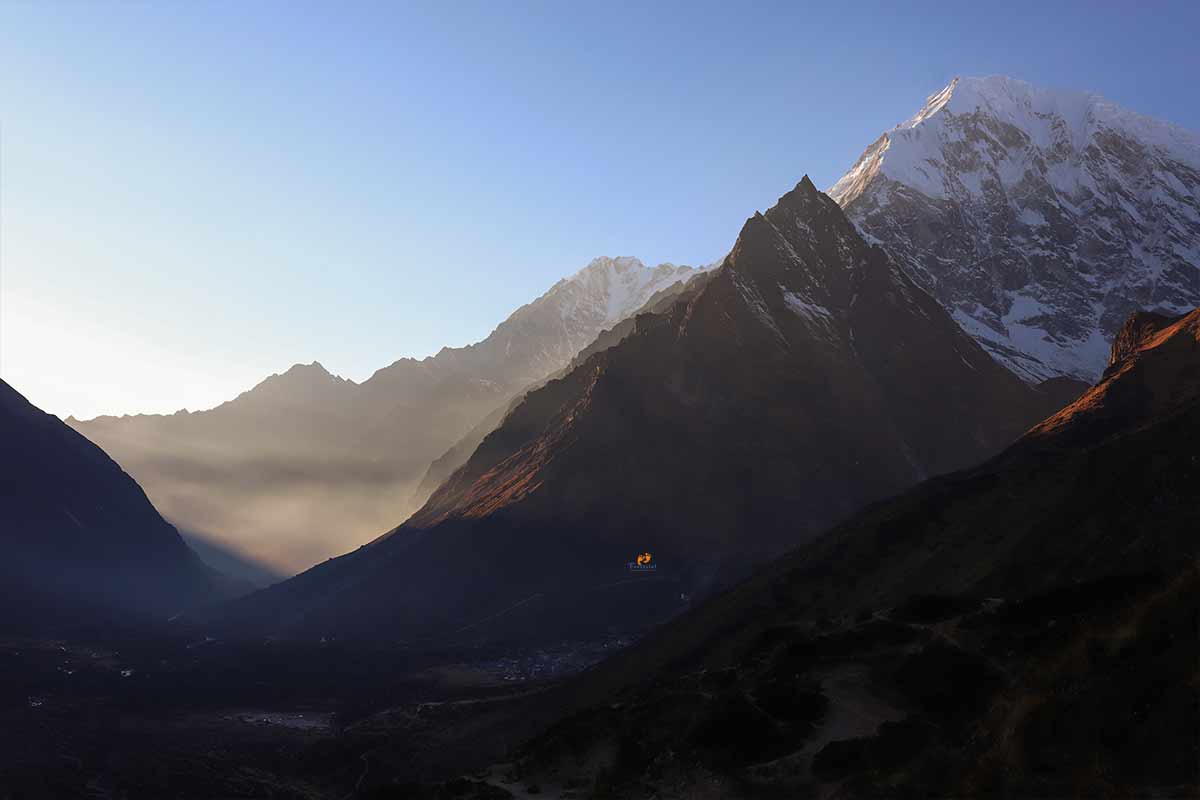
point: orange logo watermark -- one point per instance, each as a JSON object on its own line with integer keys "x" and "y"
{"x": 642, "y": 563}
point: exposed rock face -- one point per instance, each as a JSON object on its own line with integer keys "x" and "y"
{"x": 307, "y": 465}
{"x": 1154, "y": 371}
{"x": 1136, "y": 331}
{"x": 80, "y": 538}
{"x": 806, "y": 378}
{"x": 1040, "y": 219}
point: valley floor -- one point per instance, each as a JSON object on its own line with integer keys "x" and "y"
{"x": 162, "y": 718}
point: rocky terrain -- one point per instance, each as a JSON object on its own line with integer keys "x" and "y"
{"x": 1039, "y": 218}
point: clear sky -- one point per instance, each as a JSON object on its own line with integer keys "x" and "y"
{"x": 196, "y": 195}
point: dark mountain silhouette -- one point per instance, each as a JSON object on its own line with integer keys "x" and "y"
{"x": 306, "y": 465}
{"x": 808, "y": 377}
{"x": 80, "y": 538}
{"x": 1024, "y": 628}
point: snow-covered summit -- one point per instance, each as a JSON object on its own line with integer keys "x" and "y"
{"x": 613, "y": 288}
{"x": 1054, "y": 122}
{"x": 1051, "y": 115}
{"x": 542, "y": 336}
{"x": 1040, "y": 217}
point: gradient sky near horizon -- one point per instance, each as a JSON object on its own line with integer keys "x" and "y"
{"x": 196, "y": 195}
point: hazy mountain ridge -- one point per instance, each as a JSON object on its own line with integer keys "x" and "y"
{"x": 1040, "y": 218}
{"x": 307, "y": 465}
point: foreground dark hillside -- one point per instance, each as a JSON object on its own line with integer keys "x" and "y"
{"x": 81, "y": 541}
{"x": 1026, "y": 628}
{"x": 805, "y": 379}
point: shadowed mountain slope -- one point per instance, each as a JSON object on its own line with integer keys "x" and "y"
{"x": 80, "y": 538}
{"x": 1025, "y": 628}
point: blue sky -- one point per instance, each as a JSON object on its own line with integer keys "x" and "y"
{"x": 196, "y": 195}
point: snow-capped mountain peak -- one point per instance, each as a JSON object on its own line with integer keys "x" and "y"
{"x": 613, "y": 288}
{"x": 1039, "y": 217}
{"x": 543, "y": 336}
{"x": 1053, "y": 121}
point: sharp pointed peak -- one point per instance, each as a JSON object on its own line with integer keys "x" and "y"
{"x": 315, "y": 368}
{"x": 804, "y": 201}
{"x": 803, "y": 194}
{"x": 311, "y": 373}
{"x": 805, "y": 239}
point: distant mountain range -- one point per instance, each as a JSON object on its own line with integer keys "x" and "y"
{"x": 1039, "y": 218}
{"x": 1025, "y": 628}
{"x": 81, "y": 541}
{"x": 307, "y": 465}
{"x": 807, "y": 377}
